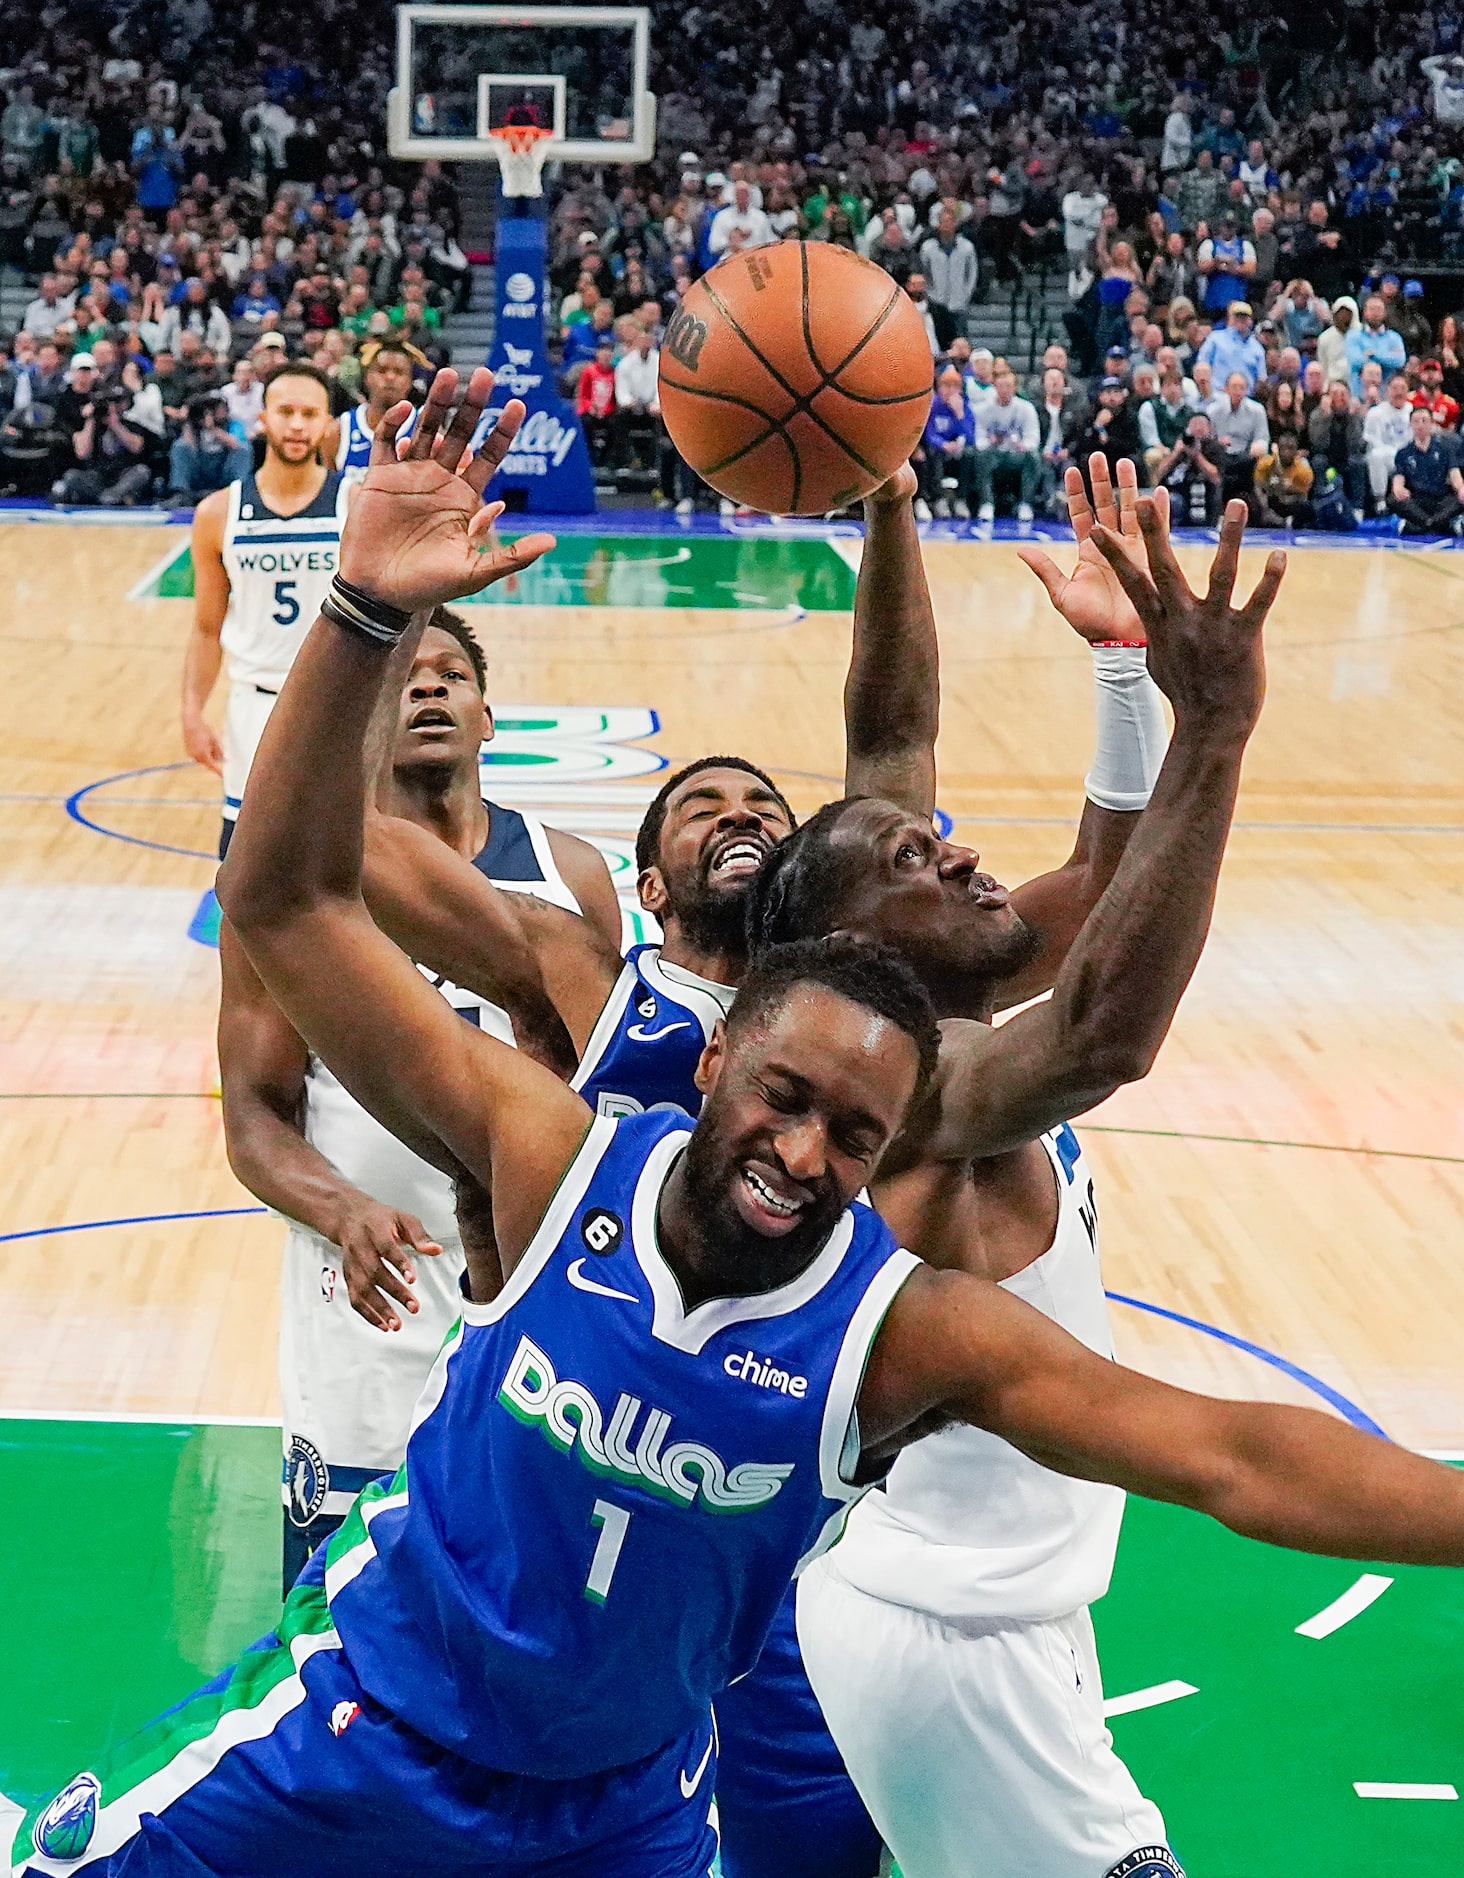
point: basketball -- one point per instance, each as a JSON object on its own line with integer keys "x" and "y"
{"x": 795, "y": 378}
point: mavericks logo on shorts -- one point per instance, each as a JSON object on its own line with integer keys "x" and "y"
{"x": 307, "y": 1481}
{"x": 1149, "y": 1861}
{"x": 65, "y": 1829}
{"x": 570, "y": 1418}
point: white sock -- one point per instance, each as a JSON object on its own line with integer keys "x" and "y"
{"x": 1132, "y": 734}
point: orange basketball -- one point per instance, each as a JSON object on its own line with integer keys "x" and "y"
{"x": 795, "y": 378}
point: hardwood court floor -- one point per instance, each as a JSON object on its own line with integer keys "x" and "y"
{"x": 1291, "y": 1175}
{"x": 1292, "y": 1172}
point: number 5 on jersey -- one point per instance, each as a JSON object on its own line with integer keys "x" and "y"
{"x": 613, "y": 1522}
{"x": 286, "y": 606}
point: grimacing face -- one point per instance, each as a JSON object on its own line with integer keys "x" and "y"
{"x": 718, "y": 827}
{"x": 801, "y": 1101}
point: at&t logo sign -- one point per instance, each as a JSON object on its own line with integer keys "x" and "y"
{"x": 519, "y": 295}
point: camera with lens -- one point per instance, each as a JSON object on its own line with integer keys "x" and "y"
{"x": 206, "y": 407}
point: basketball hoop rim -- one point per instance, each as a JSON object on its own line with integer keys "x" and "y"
{"x": 520, "y": 138}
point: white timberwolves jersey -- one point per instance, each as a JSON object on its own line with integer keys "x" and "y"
{"x": 967, "y": 1526}
{"x": 279, "y": 568}
{"x": 348, "y": 1390}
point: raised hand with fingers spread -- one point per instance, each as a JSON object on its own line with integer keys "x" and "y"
{"x": 418, "y": 535}
{"x": 1090, "y": 599}
{"x": 1204, "y": 654}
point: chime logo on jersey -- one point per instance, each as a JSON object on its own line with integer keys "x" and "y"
{"x": 570, "y": 1418}
{"x": 65, "y": 1829}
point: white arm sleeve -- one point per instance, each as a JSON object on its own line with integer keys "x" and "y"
{"x": 1132, "y": 734}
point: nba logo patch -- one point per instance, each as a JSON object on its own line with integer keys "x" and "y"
{"x": 65, "y": 1829}
{"x": 645, "y": 1004}
{"x": 342, "y": 1715}
{"x": 1148, "y": 1861}
{"x": 307, "y": 1481}
{"x": 328, "y": 1276}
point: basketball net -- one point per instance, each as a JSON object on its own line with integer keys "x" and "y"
{"x": 522, "y": 150}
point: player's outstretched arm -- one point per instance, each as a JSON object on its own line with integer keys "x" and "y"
{"x": 262, "y": 1066}
{"x": 957, "y": 1348}
{"x": 446, "y": 916}
{"x": 292, "y": 884}
{"x": 892, "y": 694}
{"x": 1122, "y": 980}
{"x": 548, "y": 968}
{"x": 1131, "y": 730}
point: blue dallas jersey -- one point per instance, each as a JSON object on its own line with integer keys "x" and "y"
{"x": 648, "y": 1040}
{"x": 605, "y": 1495}
{"x": 353, "y": 452}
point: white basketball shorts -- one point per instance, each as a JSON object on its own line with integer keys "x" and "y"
{"x": 979, "y": 1747}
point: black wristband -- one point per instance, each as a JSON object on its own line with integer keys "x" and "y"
{"x": 360, "y": 612}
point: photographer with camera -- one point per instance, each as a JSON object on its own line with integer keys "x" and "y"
{"x": 117, "y": 436}
{"x": 206, "y": 455}
{"x": 1192, "y": 470}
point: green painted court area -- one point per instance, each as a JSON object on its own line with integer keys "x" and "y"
{"x": 697, "y": 571}
{"x": 141, "y": 1557}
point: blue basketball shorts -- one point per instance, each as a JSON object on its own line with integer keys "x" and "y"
{"x": 785, "y": 1802}
{"x": 283, "y": 1763}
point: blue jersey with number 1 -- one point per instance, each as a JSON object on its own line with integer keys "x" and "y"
{"x": 648, "y": 1040}
{"x": 605, "y": 1494}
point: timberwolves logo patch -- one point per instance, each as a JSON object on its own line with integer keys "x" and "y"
{"x": 65, "y": 1829}
{"x": 601, "y": 1230}
{"x": 1149, "y": 1861}
{"x": 307, "y": 1481}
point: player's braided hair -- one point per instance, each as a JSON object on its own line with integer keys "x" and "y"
{"x": 372, "y": 350}
{"x": 795, "y": 894}
{"x": 648, "y": 839}
{"x": 862, "y": 970}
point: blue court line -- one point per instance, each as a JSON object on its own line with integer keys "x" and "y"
{"x": 1333, "y": 1397}
{"x": 77, "y": 814}
{"x": 944, "y": 821}
{"x": 138, "y": 1219}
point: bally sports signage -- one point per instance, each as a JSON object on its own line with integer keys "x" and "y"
{"x": 549, "y": 461}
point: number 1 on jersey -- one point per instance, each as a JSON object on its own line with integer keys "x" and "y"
{"x": 613, "y": 1522}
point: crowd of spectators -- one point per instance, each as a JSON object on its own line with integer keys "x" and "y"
{"x": 193, "y": 193}
{"x": 1247, "y": 213}
{"x": 1308, "y": 436}
{"x": 1244, "y": 212}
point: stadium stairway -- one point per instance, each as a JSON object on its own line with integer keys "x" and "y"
{"x": 470, "y": 334}
{"x": 1017, "y": 321}
{"x": 15, "y": 297}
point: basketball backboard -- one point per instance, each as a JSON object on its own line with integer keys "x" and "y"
{"x": 580, "y": 72}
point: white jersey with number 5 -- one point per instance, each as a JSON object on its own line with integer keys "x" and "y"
{"x": 279, "y": 568}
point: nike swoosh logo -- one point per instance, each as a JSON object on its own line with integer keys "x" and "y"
{"x": 688, "y": 1787}
{"x": 639, "y": 1034}
{"x": 576, "y": 1276}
